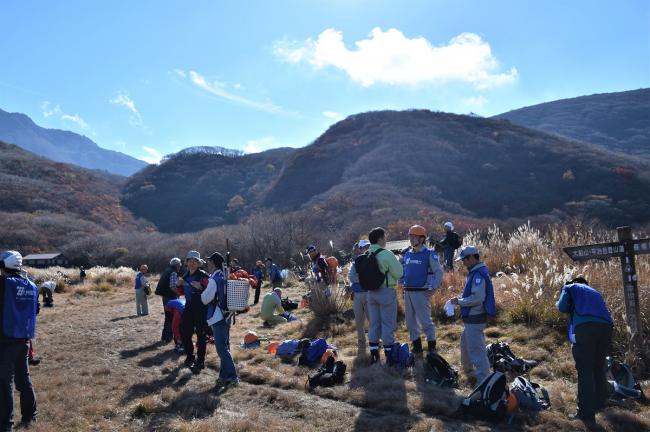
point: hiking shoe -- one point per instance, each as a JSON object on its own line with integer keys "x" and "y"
{"x": 179, "y": 348}
{"x": 416, "y": 346}
{"x": 35, "y": 361}
{"x": 189, "y": 361}
{"x": 197, "y": 367}
{"x": 223, "y": 385}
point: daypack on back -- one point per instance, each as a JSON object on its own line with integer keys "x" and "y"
{"x": 530, "y": 396}
{"x": 370, "y": 277}
{"x": 489, "y": 399}
{"x": 502, "y": 359}
{"x": 312, "y": 353}
{"x": 455, "y": 240}
{"x": 328, "y": 375}
{"x": 624, "y": 385}
{"x": 438, "y": 371}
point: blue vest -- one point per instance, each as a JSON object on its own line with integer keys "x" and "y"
{"x": 489, "y": 304}
{"x": 586, "y": 301}
{"x": 416, "y": 268}
{"x": 19, "y": 310}
{"x": 138, "y": 282}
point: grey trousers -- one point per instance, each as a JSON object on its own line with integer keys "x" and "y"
{"x": 141, "y": 304}
{"x": 472, "y": 351}
{"x": 360, "y": 308}
{"x": 417, "y": 308}
{"x": 382, "y": 314}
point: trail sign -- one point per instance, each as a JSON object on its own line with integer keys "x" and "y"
{"x": 626, "y": 248}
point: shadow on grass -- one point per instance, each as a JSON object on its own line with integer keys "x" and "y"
{"x": 159, "y": 358}
{"x": 172, "y": 379}
{"x": 134, "y": 352}
{"x": 384, "y": 405}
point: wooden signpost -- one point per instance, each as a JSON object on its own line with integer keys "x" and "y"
{"x": 626, "y": 248}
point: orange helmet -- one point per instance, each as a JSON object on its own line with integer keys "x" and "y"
{"x": 418, "y": 230}
{"x": 273, "y": 347}
{"x": 250, "y": 337}
{"x": 513, "y": 403}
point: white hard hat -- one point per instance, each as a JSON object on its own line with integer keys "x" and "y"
{"x": 12, "y": 260}
{"x": 449, "y": 226}
{"x": 175, "y": 261}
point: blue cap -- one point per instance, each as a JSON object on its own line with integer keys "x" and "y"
{"x": 467, "y": 251}
{"x": 363, "y": 243}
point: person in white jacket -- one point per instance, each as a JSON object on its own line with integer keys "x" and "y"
{"x": 219, "y": 319}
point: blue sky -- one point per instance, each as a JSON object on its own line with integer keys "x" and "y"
{"x": 151, "y": 77}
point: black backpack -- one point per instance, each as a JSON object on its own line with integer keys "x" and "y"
{"x": 370, "y": 277}
{"x": 489, "y": 400}
{"x": 502, "y": 359}
{"x": 328, "y": 375}
{"x": 438, "y": 371}
{"x": 530, "y": 396}
{"x": 288, "y": 305}
{"x": 454, "y": 240}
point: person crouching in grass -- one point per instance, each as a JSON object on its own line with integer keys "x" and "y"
{"x": 219, "y": 319}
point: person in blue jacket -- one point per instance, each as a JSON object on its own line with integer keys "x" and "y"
{"x": 258, "y": 272}
{"x": 590, "y": 333}
{"x": 18, "y": 308}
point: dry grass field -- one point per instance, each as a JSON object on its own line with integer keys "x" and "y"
{"x": 103, "y": 368}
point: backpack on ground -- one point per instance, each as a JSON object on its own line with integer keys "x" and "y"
{"x": 401, "y": 356}
{"x": 328, "y": 375}
{"x": 287, "y": 349}
{"x": 489, "y": 400}
{"x": 312, "y": 352}
{"x": 288, "y": 305}
{"x": 367, "y": 266}
{"x": 530, "y": 396}
{"x": 623, "y": 384}
{"x": 439, "y": 372}
{"x": 502, "y": 359}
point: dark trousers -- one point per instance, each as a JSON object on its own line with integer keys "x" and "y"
{"x": 167, "y": 326}
{"x": 593, "y": 341}
{"x": 258, "y": 287}
{"x": 194, "y": 321}
{"x": 14, "y": 369}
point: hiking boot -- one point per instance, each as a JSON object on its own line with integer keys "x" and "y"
{"x": 223, "y": 385}
{"x": 416, "y": 346}
{"x": 189, "y": 361}
{"x": 198, "y": 366}
{"x": 584, "y": 418}
{"x": 431, "y": 346}
{"x": 374, "y": 356}
{"x": 34, "y": 361}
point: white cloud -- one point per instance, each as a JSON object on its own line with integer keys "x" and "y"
{"x": 152, "y": 155}
{"x": 135, "y": 118}
{"x": 217, "y": 88}
{"x": 76, "y": 118}
{"x": 332, "y": 115}
{"x": 475, "y": 101}
{"x": 261, "y": 144}
{"x": 47, "y": 112}
{"x": 389, "y": 57}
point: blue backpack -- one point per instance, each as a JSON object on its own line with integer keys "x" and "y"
{"x": 287, "y": 348}
{"x": 401, "y": 356}
{"x": 313, "y": 352}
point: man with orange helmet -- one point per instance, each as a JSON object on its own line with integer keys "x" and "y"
{"x": 422, "y": 274}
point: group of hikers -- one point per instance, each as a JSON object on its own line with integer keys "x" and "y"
{"x": 195, "y": 303}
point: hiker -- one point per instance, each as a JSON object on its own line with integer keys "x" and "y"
{"x": 165, "y": 289}
{"x": 258, "y": 272}
{"x": 359, "y": 297}
{"x": 275, "y": 277}
{"x": 47, "y": 289}
{"x": 382, "y": 302}
{"x": 272, "y": 312}
{"x": 82, "y": 274}
{"x": 193, "y": 282}
{"x": 422, "y": 275}
{"x": 450, "y": 242}
{"x": 174, "y": 308}
{"x": 18, "y": 308}
{"x": 476, "y": 303}
{"x": 318, "y": 264}
{"x": 590, "y": 333}
{"x": 215, "y": 296}
{"x": 141, "y": 287}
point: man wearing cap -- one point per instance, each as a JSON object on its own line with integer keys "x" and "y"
{"x": 450, "y": 242}
{"x": 141, "y": 284}
{"x": 165, "y": 289}
{"x": 193, "y": 282}
{"x": 359, "y": 297}
{"x": 18, "y": 308}
{"x": 422, "y": 274}
{"x": 214, "y": 296}
{"x": 590, "y": 334}
{"x": 272, "y": 312}
{"x": 382, "y": 302}
{"x": 258, "y": 272}
{"x": 476, "y": 304}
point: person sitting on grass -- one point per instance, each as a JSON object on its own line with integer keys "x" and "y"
{"x": 272, "y": 312}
